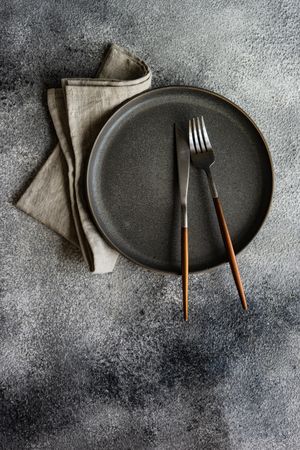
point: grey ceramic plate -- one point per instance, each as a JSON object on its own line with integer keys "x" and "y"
{"x": 132, "y": 179}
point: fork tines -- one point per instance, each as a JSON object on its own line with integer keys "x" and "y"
{"x": 198, "y": 137}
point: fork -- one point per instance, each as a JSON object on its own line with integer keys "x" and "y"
{"x": 203, "y": 157}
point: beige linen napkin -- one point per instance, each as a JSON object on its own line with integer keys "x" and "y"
{"x": 57, "y": 197}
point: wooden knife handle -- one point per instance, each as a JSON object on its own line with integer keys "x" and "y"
{"x": 185, "y": 270}
{"x": 230, "y": 252}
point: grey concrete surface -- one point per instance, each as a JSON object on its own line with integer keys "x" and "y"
{"x": 105, "y": 362}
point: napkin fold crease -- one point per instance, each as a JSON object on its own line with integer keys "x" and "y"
{"x": 79, "y": 109}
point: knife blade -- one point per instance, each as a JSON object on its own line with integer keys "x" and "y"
{"x": 183, "y": 166}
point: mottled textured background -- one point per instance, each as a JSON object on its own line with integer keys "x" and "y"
{"x": 105, "y": 362}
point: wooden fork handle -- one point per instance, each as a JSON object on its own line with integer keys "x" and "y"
{"x": 185, "y": 270}
{"x": 230, "y": 252}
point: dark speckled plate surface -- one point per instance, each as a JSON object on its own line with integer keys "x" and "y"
{"x": 132, "y": 179}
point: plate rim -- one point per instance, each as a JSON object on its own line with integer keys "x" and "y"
{"x": 119, "y": 109}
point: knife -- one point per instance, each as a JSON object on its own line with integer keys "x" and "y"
{"x": 183, "y": 165}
